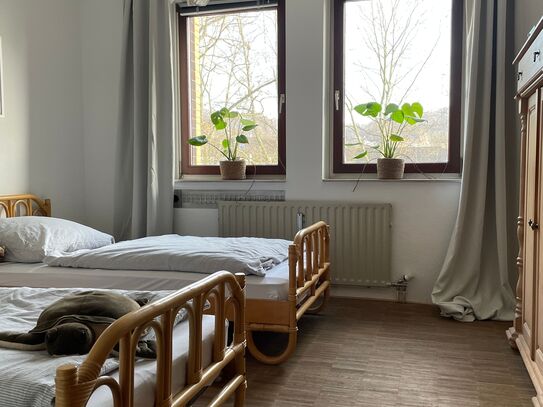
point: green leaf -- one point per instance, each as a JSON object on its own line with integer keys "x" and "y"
{"x": 391, "y": 108}
{"x": 374, "y": 108}
{"x": 368, "y": 109}
{"x": 247, "y": 122}
{"x": 242, "y": 138}
{"x": 220, "y": 125}
{"x": 218, "y": 120}
{"x": 361, "y": 109}
{"x": 249, "y": 127}
{"x": 396, "y": 138}
{"x": 418, "y": 109}
{"x": 229, "y": 114}
{"x": 216, "y": 117}
{"x": 361, "y": 155}
{"x": 413, "y": 120}
{"x": 407, "y": 110}
{"x": 225, "y": 143}
{"x": 198, "y": 141}
{"x": 397, "y": 116}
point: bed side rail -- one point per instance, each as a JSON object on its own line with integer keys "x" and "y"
{"x": 75, "y": 385}
{"x": 309, "y": 265}
{"x": 24, "y": 205}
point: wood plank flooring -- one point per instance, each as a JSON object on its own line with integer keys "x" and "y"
{"x": 374, "y": 353}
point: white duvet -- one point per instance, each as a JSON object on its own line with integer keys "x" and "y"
{"x": 207, "y": 255}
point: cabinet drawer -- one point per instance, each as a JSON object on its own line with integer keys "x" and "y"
{"x": 531, "y": 63}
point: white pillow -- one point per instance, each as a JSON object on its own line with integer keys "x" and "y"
{"x": 28, "y": 239}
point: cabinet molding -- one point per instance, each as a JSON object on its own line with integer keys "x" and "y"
{"x": 526, "y": 334}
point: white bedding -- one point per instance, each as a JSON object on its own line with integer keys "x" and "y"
{"x": 273, "y": 286}
{"x": 249, "y": 255}
{"x": 27, "y": 378}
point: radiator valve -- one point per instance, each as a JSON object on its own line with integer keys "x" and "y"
{"x": 400, "y": 286}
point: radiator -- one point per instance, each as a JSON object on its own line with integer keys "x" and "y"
{"x": 360, "y": 233}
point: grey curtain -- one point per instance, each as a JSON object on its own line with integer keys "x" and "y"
{"x": 474, "y": 280}
{"x": 145, "y": 152}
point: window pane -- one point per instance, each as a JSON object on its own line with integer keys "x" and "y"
{"x": 233, "y": 64}
{"x": 398, "y": 51}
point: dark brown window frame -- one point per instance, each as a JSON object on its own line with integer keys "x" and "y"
{"x": 186, "y": 167}
{"x": 454, "y": 160}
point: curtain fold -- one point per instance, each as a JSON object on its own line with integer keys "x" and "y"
{"x": 474, "y": 280}
{"x": 146, "y": 144}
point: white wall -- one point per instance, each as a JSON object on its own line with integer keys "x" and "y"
{"x": 43, "y": 123}
{"x": 14, "y": 132}
{"x": 527, "y": 14}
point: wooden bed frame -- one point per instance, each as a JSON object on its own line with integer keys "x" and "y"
{"x": 222, "y": 290}
{"x": 309, "y": 281}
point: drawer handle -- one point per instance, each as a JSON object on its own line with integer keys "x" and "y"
{"x": 537, "y": 55}
{"x": 533, "y": 224}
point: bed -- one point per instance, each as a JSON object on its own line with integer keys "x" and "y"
{"x": 275, "y": 302}
{"x": 190, "y": 353}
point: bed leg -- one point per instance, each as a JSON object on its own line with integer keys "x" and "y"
{"x": 276, "y": 359}
{"x": 318, "y": 307}
{"x": 239, "y": 398}
{"x": 241, "y": 369}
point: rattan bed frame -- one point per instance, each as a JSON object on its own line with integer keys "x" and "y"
{"x": 226, "y": 295}
{"x": 309, "y": 281}
{"x": 309, "y": 289}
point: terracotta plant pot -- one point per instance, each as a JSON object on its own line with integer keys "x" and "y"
{"x": 390, "y": 168}
{"x": 233, "y": 169}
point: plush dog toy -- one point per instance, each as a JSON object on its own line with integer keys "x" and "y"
{"x": 71, "y": 325}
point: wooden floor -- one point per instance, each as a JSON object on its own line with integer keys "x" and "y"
{"x": 371, "y": 353}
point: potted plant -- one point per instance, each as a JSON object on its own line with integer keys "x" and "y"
{"x": 391, "y": 124}
{"x": 233, "y": 124}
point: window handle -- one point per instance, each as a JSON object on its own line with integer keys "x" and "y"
{"x": 336, "y": 98}
{"x": 282, "y": 100}
{"x": 537, "y": 54}
{"x": 533, "y": 225}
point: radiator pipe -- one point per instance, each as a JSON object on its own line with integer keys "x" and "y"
{"x": 300, "y": 220}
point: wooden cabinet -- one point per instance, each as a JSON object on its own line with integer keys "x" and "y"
{"x": 527, "y": 331}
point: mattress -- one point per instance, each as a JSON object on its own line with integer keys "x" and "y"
{"x": 273, "y": 286}
{"x": 145, "y": 373}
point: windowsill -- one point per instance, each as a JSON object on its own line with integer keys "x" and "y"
{"x": 406, "y": 178}
{"x": 217, "y": 178}
{"x": 215, "y": 181}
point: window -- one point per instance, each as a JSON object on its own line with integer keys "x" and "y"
{"x": 232, "y": 55}
{"x": 398, "y": 51}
